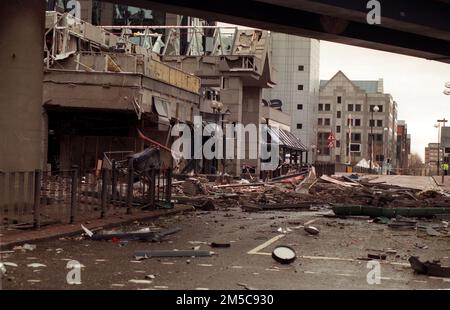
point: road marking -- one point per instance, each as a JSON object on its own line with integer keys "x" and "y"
{"x": 334, "y": 258}
{"x": 265, "y": 245}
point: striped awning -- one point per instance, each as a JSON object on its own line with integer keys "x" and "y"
{"x": 286, "y": 139}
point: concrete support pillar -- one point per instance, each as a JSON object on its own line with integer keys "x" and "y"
{"x": 251, "y": 105}
{"x": 231, "y": 96}
{"x": 21, "y": 61}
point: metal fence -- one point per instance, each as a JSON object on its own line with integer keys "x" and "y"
{"x": 35, "y": 198}
{"x": 332, "y": 168}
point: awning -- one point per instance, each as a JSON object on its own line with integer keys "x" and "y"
{"x": 286, "y": 139}
{"x": 162, "y": 109}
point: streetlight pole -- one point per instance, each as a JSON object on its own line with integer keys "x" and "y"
{"x": 372, "y": 121}
{"x": 385, "y": 147}
{"x": 443, "y": 121}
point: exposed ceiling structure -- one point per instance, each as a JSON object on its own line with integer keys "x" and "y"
{"x": 418, "y": 28}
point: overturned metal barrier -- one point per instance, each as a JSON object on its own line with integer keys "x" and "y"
{"x": 143, "y": 235}
{"x": 171, "y": 253}
{"x": 347, "y": 210}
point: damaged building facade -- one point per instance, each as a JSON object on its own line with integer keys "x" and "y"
{"x": 233, "y": 65}
{"x": 99, "y": 89}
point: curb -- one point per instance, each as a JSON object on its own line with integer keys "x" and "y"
{"x": 75, "y": 229}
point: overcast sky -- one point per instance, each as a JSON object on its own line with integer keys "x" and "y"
{"x": 416, "y": 84}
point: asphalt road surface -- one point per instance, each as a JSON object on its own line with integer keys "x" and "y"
{"x": 325, "y": 261}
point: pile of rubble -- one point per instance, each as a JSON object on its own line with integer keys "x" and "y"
{"x": 305, "y": 191}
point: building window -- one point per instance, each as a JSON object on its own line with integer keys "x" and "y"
{"x": 350, "y": 107}
{"x": 379, "y": 123}
{"x": 356, "y": 137}
{"x": 301, "y": 68}
{"x": 338, "y": 143}
{"x": 379, "y": 157}
{"x": 338, "y": 129}
{"x": 376, "y": 137}
{"x": 338, "y": 158}
{"x": 357, "y": 122}
{"x": 327, "y": 107}
{"x": 339, "y": 99}
{"x": 372, "y": 123}
{"x": 319, "y": 122}
{"x": 350, "y": 122}
{"x": 338, "y": 114}
{"x": 300, "y": 87}
{"x": 299, "y": 126}
{"x": 327, "y": 122}
{"x": 299, "y": 106}
{"x": 358, "y": 108}
{"x": 320, "y": 107}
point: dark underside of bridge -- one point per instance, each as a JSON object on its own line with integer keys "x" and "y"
{"x": 418, "y": 28}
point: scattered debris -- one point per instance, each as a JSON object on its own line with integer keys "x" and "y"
{"x": 136, "y": 281}
{"x": 25, "y": 247}
{"x": 33, "y": 281}
{"x": 36, "y": 265}
{"x": 376, "y": 256}
{"x": 150, "y": 276}
{"x": 421, "y": 246}
{"x": 249, "y": 288}
{"x": 429, "y": 268}
{"x": 220, "y": 245}
{"x": 358, "y": 210}
{"x": 311, "y": 230}
{"x": 284, "y": 231}
{"x": 403, "y": 223}
{"x": 284, "y": 254}
{"x": 207, "y": 205}
{"x": 6, "y": 252}
{"x": 381, "y": 220}
{"x": 142, "y": 234}
{"x": 432, "y": 232}
{"x": 171, "y": 253}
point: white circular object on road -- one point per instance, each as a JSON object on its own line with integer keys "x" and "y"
{"x": 284, "y": 254}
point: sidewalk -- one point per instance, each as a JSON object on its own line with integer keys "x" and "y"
{"x": 446, "y": 184}
{"x": 10, "y": 239}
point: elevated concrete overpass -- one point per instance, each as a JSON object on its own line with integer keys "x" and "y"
{"x": 418, "y": 28}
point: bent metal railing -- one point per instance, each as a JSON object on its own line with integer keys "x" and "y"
{"x": 32, "y": 199}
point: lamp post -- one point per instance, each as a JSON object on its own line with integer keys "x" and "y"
{"x": 372, "y": 121}
{"x": 216, "y": 106}
{"x": 438, "y": 125}
{"x": 385, "y": 147}
{"x": 226, "y": 113}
